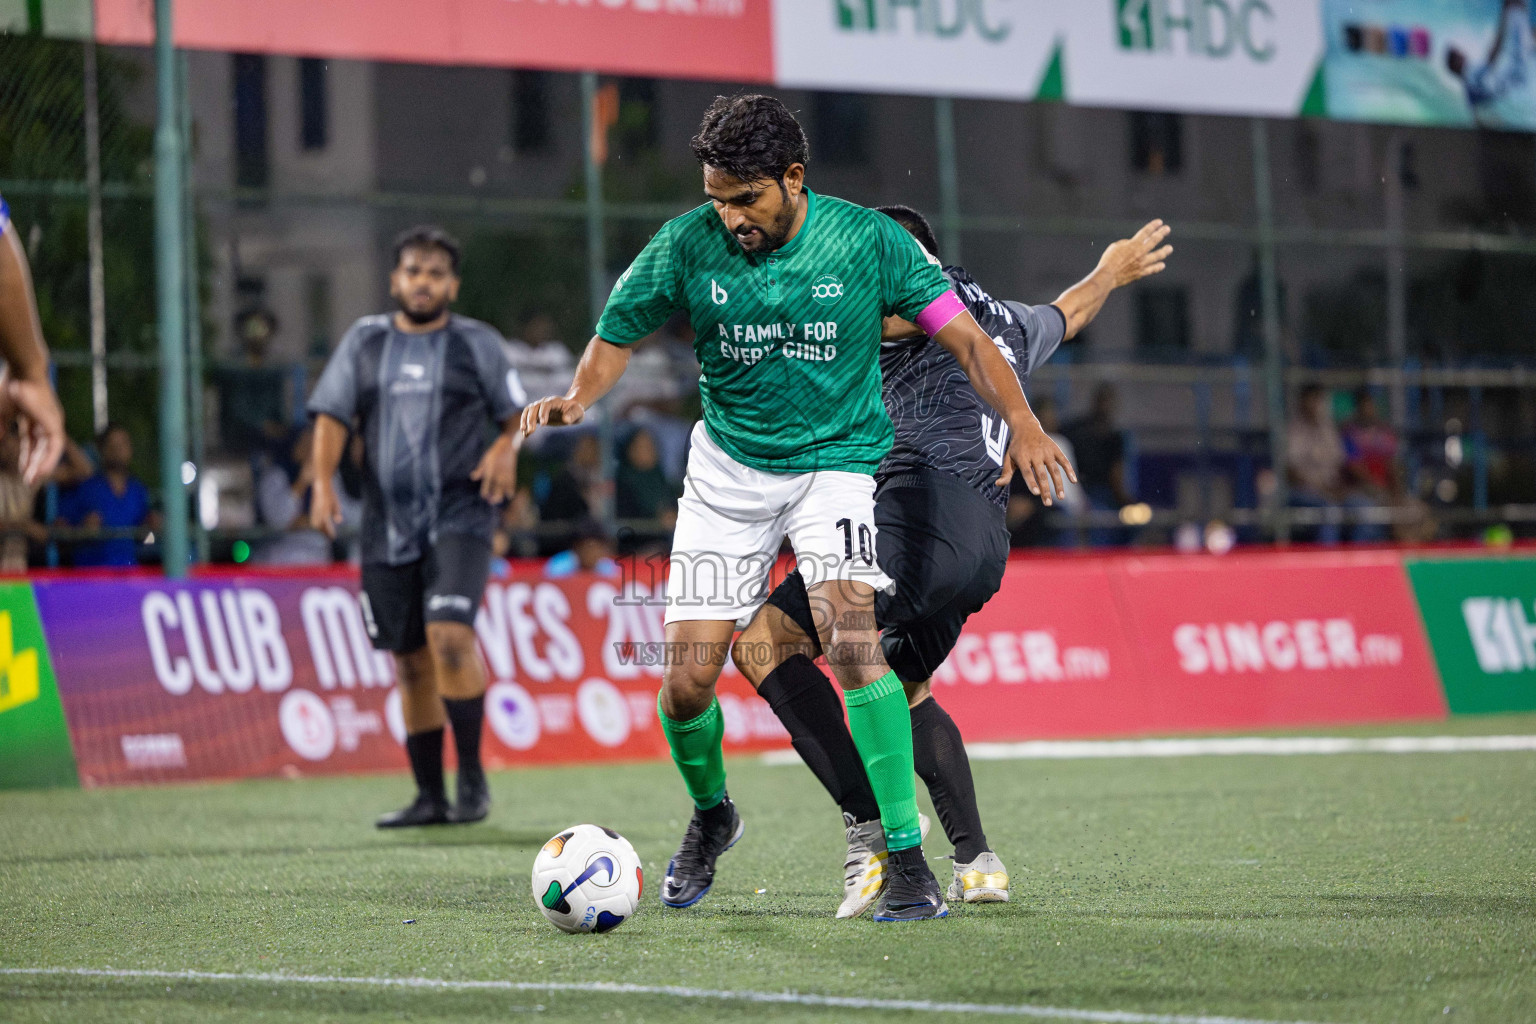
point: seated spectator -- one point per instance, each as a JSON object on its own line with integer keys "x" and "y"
{"x": 1030, "y": 523}
{"x": 543, "y": 363}
{"x": 641, "y": 489}
{"x": 112, "y": 499}
{"x": 574, "y": 491}
{"x": 282, "y": 502}
{"x": 20, "y": 528}
{"x": 591, "y": 551}
{"x": 1370, "y": 450}
{"x": 1099, "y": 446}
{"x": 520, "y": 525}
{"x": 253, "y": 396}
{"x": 1315, "y": 463}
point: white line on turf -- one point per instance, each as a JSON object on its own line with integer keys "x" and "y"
{"x": 674, "y": 991}
{"x": 1067, "y": 750}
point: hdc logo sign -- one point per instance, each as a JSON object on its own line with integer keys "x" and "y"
{"x": 1210, "y": 28}
{"x": 1203, "y": 56}
{"x": 1502, "y": 638}
{"x": 996, "y": 48}
{"x": 943, "y": 20}
{"x": 1481, "y": 617}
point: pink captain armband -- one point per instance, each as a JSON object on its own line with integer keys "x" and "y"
{"x": 939, "y": 313}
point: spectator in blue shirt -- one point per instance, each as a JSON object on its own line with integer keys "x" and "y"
{"x": 591, "y": 551}
{"x": 112, "y": 499}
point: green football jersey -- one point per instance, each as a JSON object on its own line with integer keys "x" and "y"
{"x": 788, "y": 341}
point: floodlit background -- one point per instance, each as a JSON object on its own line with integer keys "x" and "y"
{"x": 1401, "y": 253}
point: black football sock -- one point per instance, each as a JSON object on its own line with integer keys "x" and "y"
{"x": 805, "y": 701}
{"x": 939, "y": 756}
{"x": 425, "y": 749}
{"x": 467, "y": 716}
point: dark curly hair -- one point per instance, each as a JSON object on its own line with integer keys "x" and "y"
{"x": 427, "y": 236}
{"x": 916, "y": 224}
{"x": 752, "y": 137}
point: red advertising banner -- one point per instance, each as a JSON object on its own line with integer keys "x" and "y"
{"x": 1167, "y": 643}
{"x": 251, "y": 676}
{"x": 720, "y": 40}
{"x": 1047, "y": 657}
{"x": 261, "y": 675}
{"x": 1279, "y": 639}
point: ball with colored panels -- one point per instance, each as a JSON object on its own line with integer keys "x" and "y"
{"x": 587, "y": 879}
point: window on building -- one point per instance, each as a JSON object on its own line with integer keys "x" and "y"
{"x": 314, "y": 124}
{"x": 1162, "y": 319}
{"x": 317, "y": 309}
{"x": 841, "y": 128}
{"x": 251, "y": 163}
{"x": 532, "y": 131}
{"x": 1157, "y": 142}
{"x": 636, "y": 128}
{"x": 1309, "y": 158}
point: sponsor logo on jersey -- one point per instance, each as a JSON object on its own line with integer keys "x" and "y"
{"x": 826, "y": 289}
{"x": 413, "y": 370}
{"x": 717, "y": 294}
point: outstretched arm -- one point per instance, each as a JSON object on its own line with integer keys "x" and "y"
{"x": 601, "y": 366}
{"x": 1037, "y": 457}
{"x": 1124, "y": 262}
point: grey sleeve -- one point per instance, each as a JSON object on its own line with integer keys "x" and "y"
{"x": 1044, "y": 329}
{"x": 336, "y": 393}
{"x": 499, "y": 382}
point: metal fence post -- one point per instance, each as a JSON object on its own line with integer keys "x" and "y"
{"x": 170, "y": 285}
{"x": 597, "y": 268}
{"x": 1274, "y": 359}
{"x": 949, "y": 177}
{"x": 97, "y": 277}
{"x": 196, "y": 449}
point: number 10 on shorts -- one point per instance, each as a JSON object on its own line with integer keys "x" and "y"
{"x": 866, "y": 541}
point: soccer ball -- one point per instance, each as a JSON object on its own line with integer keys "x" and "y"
{"x": 587, "y": 879}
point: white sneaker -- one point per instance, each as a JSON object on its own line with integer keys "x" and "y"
{"x": 864, "y": 867}
{"x": 983, "y": 880}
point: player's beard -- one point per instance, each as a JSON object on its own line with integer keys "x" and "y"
{"x": 776, "y": 234}
{"x": 421, "y": 317}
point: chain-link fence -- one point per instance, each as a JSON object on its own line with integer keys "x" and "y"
{"x": 1398, "y": 260}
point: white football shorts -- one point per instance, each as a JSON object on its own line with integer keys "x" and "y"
{"x": 732, "y": 519}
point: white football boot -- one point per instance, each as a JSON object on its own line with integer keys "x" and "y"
{"x": 864, "y": 868}
{"x": 983, "y": 880}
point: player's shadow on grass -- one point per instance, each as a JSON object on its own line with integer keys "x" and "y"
{"x": 1428, "y": 905}
{"x": 462, "y": 836}
{"x": 368, "y": 839}
{"x": 1330, "y": 907}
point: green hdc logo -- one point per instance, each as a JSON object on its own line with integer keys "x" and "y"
{"x": 942, "y": 19}
{"x": 1206, "y": 28}
{"x": 1502, "y": 638}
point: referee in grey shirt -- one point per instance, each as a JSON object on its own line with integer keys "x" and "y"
{"x": 427, "y": 390}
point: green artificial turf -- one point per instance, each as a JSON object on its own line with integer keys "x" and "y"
{"x": 1328, "y": 888}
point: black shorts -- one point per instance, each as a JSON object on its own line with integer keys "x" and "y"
{"x": 444, "y": 585}
{"x": 946, "y": 547}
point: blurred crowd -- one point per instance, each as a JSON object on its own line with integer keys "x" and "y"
{"x": 610, "y": 487}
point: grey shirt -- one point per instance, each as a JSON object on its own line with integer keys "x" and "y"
{"x": 940, "y": 421}
{"x": 427, "y": 406}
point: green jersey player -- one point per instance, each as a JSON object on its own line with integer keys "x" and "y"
{"x": 787, "y": 291}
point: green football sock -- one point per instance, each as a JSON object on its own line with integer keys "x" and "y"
{"x": 697, "y": 753}
{"x": 882, "y": 730}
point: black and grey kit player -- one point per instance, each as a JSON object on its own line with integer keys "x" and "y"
{"x": 941, "y": 535}
{"x": 435, "y": 402}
